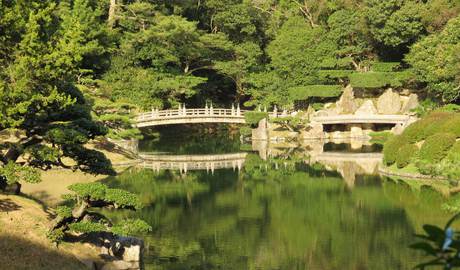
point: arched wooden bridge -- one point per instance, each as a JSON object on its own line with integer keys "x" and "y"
{"x": 190, "y": 116}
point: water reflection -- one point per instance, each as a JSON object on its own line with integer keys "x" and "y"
{"x": 288, "y": 207}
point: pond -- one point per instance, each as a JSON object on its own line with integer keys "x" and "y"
{"x": 305, "y": 207}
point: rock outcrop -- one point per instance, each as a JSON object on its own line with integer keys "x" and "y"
{"x": 389, "y": 103}
{"x": 409, "y": 104}
{"x": 347, "y": 103}
{"x": 367, "y": 108}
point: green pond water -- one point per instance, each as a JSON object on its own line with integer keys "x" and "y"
{"x": 279, "y": 213}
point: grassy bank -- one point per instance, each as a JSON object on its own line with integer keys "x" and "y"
{"x": 23, "y": 242}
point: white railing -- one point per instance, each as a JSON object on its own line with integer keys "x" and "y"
{"x": 190, "y": 113}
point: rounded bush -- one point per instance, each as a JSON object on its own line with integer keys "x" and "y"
{"x": 405, "y": 155}
{"x": 414, "y": 132}
{"x": 454, "y": 153}
{"x": 391, "y": 148}
{"x": 452, "y": 125}
{"x": 435, "y": 148}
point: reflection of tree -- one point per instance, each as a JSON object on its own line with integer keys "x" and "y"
{"x": 298, "y": 217}
{"x": 181, "y": 141}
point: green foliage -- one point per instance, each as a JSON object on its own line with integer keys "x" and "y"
{"x": 245, "y": 131}
{"x": 405, "y": 155}
{"x": 379, "y": 79}
{"x": 435, "y": 61}
{"x": 98, "y": 191}
{"x": 435, "y": 147}
{"x": 392, "y": 147}
{"x": 253, "y": 118}
{"x": 122, "y": 198}
{"x": 394, "y": 23}
{"x": 15, "y": 173}
{"x": 131, "y": 227}
{"x": 322, "y": 91}
{"x": 87, "y": 227}
{"x": 64, "y": 211}
{"x": 56, "y": 236}
{"x": 385, "y": 66}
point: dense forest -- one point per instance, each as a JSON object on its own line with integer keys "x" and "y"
{"x": 156, "y": 53}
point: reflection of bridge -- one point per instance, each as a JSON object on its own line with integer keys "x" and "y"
{"x": 349, "y": 165}
{"x": 362, "y": 119}
{"x": 186, "y": 163}
{"x": 190, "y": 116}
{"x": 349, "y": 157}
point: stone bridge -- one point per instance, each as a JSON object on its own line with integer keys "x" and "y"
{"x": 362, "y": 119}
{"x": 186, "y": 163}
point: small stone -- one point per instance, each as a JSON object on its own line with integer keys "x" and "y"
{"x": 389, "y": 103}
{"x": 367, "y": 108}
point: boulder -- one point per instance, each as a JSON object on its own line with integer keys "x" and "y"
{"x": 347, "y": 103}
{"x": 410, "y": 103}
{"x": 367, "y": 108}
{"x": 389, "y": 103}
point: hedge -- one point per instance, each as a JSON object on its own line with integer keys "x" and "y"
{"x": 322, "y": 91}
{"x": 405, "y": 155}
{"x": 435, "y": 148}
{"x": 391, "y": 148}
{"x": 379, "y": 79}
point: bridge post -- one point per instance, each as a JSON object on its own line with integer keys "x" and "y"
{"x": 211, "y": 110}
{"x": 206, "y": 112}
{"x": 185, "y": 110}
{"x": 238, "y": 110}
{"x": 233, "y": 109}
{"x": 275, "y": 112}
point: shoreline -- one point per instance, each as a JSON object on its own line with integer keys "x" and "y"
{"x": 384, "y": 171}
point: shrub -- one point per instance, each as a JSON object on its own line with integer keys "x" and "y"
{"x": 454, "y": 153}
{"x": 405, "y": 155}
{"x": 391, "y": 148}
{"x": 452, "y": 125}
{"x": 414, "y": 132}
{"x": 253, "y": 118}
{"x": 435, "y": 123}
{"x": 435, "y": 148}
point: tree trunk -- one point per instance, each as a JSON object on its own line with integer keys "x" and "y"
{"x": 112, "y": 13}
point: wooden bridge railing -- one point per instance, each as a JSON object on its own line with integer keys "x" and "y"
{"x": 190, "y": 113}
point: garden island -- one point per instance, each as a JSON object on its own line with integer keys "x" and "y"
{"x": 229, "y": 134}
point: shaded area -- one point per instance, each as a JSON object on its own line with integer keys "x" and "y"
{"x": 7, "y": 205}
{"x": 22, "y": 254}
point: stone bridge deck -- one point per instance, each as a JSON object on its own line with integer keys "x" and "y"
{"x": 362, "y": 119}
